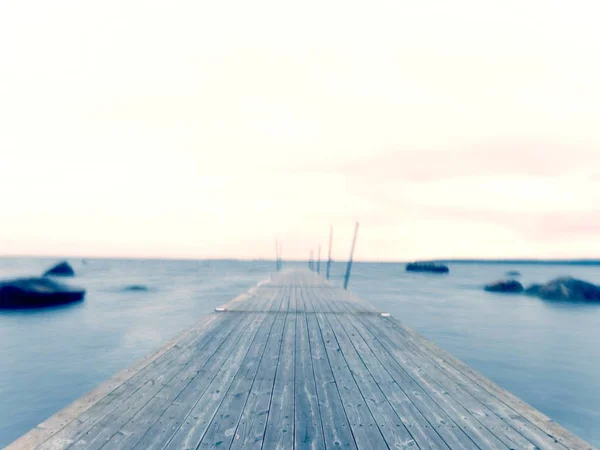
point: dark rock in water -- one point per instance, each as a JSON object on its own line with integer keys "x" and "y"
{"x": 566, "y": 288}
{"x": 135, "y": 288}
{"x": 36, "y": 293}
{"x": 513, "y": 273}
{"x": 426, "y": 267}
{"x": 505, "y": 286}
{"x": 534, "y": 289}
{"x": 62, "y": 269}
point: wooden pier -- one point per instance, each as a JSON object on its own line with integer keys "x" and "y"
{"x": 299, "y": 363}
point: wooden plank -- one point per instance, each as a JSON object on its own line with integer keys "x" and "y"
{"x": 250, "y": 430}
{"x": 172, "y": 414}
{"x": 390, "y": 425}
{"x": 225, "y": 423}
{"x": 336, "y": 428}
{"x": 480, "y": 425}
{"x": 139, "y": 385}
{"x": 221, "y": 429}
{"x": 497, "y": 429}
{"x": 343, "y": 303}
{"x": 410, "y": 392}
{"x": 483, "y": 433}
{"x": 512, "y": 424}
{"x": 54, "y": 424}
{"x": 253, "y": 299}
{"x": 293, "y": 299}
{"x": 210, "y": 383}
{"x": 409, "y": 389}
{"x": 526, "y": 436}
{"x": 363, "y": 426}
{"x": 279, "y": 432}
{"x": 308, "y": 430}
{"x": 537, "y": 427}
{"x": 198, "y": 374}
{"x": 422, "y": 431}
{"x": 176, "y": 373}
{"x": 192, "y": 431}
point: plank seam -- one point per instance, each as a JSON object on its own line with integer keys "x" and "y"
{"x": 193, "y": 406}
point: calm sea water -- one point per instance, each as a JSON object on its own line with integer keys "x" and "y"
{"x": 547, "y": 353}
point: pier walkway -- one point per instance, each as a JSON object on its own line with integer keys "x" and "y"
{"x": 298, "y": 363}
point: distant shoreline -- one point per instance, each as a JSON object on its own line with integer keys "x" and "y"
{"x": 568, "y": 262}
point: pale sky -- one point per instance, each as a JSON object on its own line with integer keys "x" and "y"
{"x": 464, "y": 128}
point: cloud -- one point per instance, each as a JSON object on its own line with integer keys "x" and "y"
{"x": 526, "y": 158}
{"x": 539, "y": 227}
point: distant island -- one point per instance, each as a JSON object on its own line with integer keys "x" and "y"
{"x": 568, "y": 262}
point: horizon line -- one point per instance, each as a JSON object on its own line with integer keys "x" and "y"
{"x": 292, "y": 260}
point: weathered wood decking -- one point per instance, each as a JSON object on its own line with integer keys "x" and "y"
{"x": 298, "y": 363}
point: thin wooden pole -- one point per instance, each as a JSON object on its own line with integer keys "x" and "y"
{"x": 349, "y": 266}
{"x": 319, "y": 260}
{"x": 280, "y": 256}
{"x": 329, "y": 257}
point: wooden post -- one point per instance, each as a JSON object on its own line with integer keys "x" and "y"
{"x": 280, "y": 256}
{"x": 319, "y": 260}
{"x": 329, "y": 257}
{"x": 349, "y": 266}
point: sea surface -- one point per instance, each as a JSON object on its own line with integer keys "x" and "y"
{"x": 547, "y": 353}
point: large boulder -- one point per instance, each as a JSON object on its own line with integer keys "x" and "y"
{"x": 426, "y": 267}
{"x": 505, "y": 286}
{"x": 36, "y": 293}
{"x": 566, "y": 288}
{"x": 62, "y": 269}
{"x": 533, "y": 290}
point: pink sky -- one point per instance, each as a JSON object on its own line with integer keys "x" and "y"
{"x": 210, "y": 129}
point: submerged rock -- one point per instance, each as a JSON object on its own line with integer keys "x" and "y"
{"x": 135, "y": 288}
{"x": 513, "y": 273}
{"x": 36, "y": 293}
{"x": 426, "y": 267}
{"x": 62, "y": 269}
{"x": 566, "y": 288}
{"x": 505, "y": 286}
